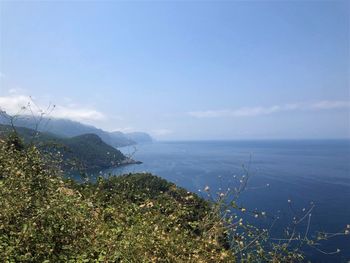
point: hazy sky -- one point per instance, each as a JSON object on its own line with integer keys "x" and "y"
{"x": 183, "y": 70}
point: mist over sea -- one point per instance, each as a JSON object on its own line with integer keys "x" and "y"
{"x": 303, "y": 171}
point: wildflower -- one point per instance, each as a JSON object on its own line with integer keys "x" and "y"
{"x": 66, "y": 191}
{"x": 289, "y": 201}
{"x": 206, "y": 188}
{"x": 256, "y": 215}
{"x": 224, "y": 254}
{"x": 243, "y": 209}
{"x": 263, "y": 213}
{"x": 222, "y": 194}
{"x": 189, "y": 197}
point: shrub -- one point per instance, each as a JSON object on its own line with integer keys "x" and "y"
{"x": 128, "y": 219}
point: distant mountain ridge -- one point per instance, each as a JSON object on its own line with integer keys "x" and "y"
{"x": 86, "y": 151}
{"x": 69, "y": 128}
{"x": 139, "y": 137}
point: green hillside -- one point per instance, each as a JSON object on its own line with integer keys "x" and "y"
{"x": 86, "y": 151}
{"x": 132, "y": 218}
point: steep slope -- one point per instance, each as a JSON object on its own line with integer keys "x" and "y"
{"x": 139, "y": 137}
{"x": 130, "y": 218}
{"x": 93, "y": 152}
{"x": 45, "y": 218}
{"x": 68, "y": 128}
{"x": 86, "y": 151}
{"x": 121, "y": 138}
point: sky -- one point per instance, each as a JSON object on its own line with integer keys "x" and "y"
{"x": 182, "y": 70}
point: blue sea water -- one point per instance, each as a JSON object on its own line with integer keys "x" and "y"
{"x": 304, "y": 171}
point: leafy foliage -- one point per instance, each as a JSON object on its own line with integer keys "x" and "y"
{"x": 130, "y": 218}
{"x": 44, "y": 218}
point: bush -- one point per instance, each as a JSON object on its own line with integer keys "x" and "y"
{"x": 44, "y": 218}
{"x": 130, "y": 218}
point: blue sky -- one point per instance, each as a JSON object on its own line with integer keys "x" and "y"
{"x": 183, "y": 70}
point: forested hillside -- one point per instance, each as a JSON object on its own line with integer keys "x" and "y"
{"x": 132, "y": 218}
{"x": 86, "y": 151}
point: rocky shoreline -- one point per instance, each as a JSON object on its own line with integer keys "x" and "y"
{"x": 128, "y": 161}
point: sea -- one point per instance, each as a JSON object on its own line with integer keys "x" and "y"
{"x": 286, "y": 178}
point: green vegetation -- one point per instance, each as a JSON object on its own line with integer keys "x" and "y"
{"x": 131, "y": 218}
{"x": 44, "y": 218}
{"x": 82, "y": 152}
